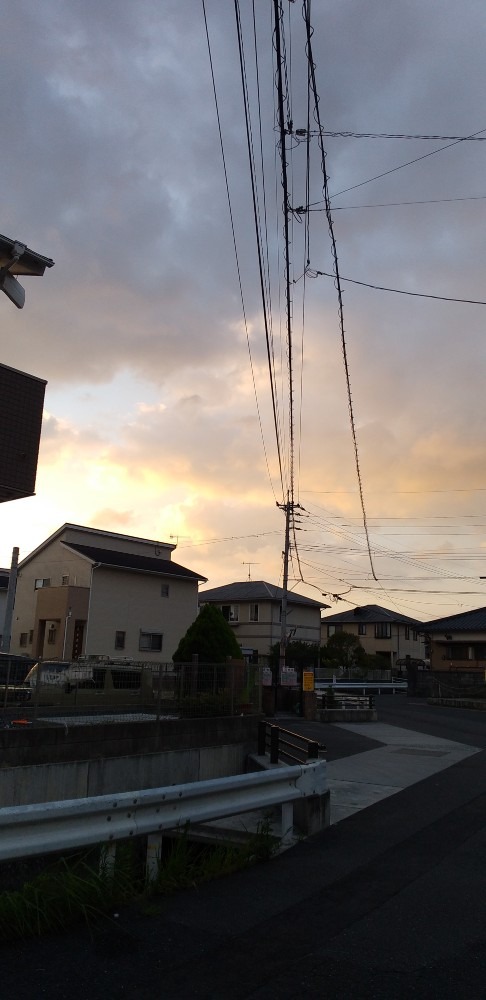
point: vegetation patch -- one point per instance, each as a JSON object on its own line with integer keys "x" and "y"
{"x": 87, "y": 886}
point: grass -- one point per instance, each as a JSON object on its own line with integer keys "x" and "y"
{"x": 87, "y": 886}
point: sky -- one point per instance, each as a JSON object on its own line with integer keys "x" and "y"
{"x": 149, "y": 329}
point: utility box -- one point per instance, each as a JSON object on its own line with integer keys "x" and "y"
{"x": 21, "y": 406}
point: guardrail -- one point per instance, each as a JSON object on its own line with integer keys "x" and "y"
{"x": 283, "y": 744}
{"x": 43, "y": 828}
{"x": 364, "y": 686}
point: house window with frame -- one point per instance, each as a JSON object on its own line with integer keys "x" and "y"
{"x": 231, "y": 612}
{"x": 407, "y": 631}
{"x": 361, "y": 628}
{"x": 254, "y": 613}
{"x": 42, "y": 582}
{"x": 23, "y": 639}
{"x": 150, "y": 642}
{"x": 164, "y": 589}
{"x": 415, "y": 636}
{"x": 120, "y": 639}
{"x": 65, "y": 581}
{"x": 332, "y": 629}
{"x": 383, "y": 630}
{"x": 51, "y": 635}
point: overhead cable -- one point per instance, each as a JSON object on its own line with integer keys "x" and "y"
{"x": 398, "y": 291}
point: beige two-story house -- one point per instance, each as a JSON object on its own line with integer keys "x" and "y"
{"x": 381, "y": 632}
{"x": 253, "y": 609}
{"x": 84, "y": 591}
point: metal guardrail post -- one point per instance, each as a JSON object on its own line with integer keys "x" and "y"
{"x": 274, "y": 744}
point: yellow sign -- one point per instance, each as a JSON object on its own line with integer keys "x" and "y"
{"x": 307, "y": 680}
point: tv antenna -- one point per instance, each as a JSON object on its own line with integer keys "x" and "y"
{"x": 250, "y": 564}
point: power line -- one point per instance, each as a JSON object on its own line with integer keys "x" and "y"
{"x": 234, "y": 243}
{"x": 392, "y": 170}
{"x": 398, "y": 291}
{"x": 403, "y": 135}
{"x": 337, "y": 280}
{"x": 396, "y": 204}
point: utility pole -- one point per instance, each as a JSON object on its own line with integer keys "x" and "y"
{"x": 12, "y": 585}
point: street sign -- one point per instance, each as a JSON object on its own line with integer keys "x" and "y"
{"x": 307, "y": 680}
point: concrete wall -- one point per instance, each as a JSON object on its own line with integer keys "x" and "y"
{"x": 78, "y": 779}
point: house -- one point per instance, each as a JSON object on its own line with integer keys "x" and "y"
{"x": 87, "y": 591}
{"x": 381, "y": 632}
{"x": 253, "y": 609}
{"x": 458, "y": 642}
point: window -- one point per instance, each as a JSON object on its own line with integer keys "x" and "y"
{"x": 231, "y": 612}
{"x": 51, "y": 634}
{"x": 45, "y": 582}
{"x": 383, "y": 630}
{"x": 407, "y": 631}
{"x": 415, "y": 636}
{"x": 332, "y": 629}
{"x": 120, "y": 640}
{"x": 23, "y": 639}
{"x": 65, "y": 581}
{"x": 164, "y": 590}
{"x": 361, "y": 629}
{"x": 253, "y": 612}
{"x": 150, "y": 641}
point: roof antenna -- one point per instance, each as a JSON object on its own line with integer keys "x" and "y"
{"x": 250, "y": 564}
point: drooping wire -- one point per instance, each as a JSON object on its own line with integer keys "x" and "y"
{"x": 257, "y": 227}
{"x": 337, "y": 280}
{"x": 398, "y": 291}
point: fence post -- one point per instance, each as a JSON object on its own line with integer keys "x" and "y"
{"x": 159, "y": 692}
{"x": 7, "y": 682}
{"x": 37, "y": 689}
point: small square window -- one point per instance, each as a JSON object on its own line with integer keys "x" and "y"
{"x": 65, "y": 581}
{"x": 164, "y": 590}
{"x": 23, "y": 639}
{"x": 120, "y": 640}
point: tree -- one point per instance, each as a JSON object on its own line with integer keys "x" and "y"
{"x": 297, "y": 653}
{"x": 209, "y": 637}
{"x": 343, "y": 649}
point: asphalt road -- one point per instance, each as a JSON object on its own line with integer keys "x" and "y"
{"x": 388, "y": 904}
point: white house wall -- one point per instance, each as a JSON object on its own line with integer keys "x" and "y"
{"x": 132, "y": 602}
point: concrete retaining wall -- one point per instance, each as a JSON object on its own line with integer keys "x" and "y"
{"x": 77, "y": 779}
{"x": 347, "y": 715}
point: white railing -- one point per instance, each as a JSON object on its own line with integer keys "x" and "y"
{"x": 42, "y": 828}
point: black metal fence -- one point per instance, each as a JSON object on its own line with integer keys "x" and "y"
{"x": 285, "y": 745}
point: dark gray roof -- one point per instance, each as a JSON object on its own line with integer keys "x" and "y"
{"x": 254, "y": 590}
{"x": 466, "y": 621}
{"x": 370, "y": 613}
{"x": 129, "y": 560}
